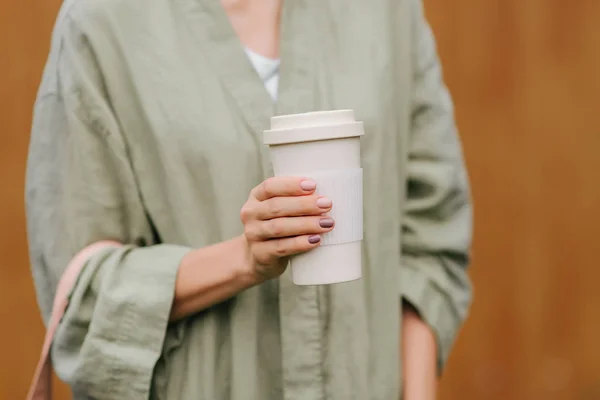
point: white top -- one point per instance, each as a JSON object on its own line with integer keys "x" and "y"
{"x": 267, "y": 69}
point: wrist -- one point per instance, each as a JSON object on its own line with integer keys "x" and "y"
{"x": 419, "y": 350}
{"x": 246, "y": 271}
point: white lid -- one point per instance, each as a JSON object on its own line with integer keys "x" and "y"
{"x": 313, "y": 126}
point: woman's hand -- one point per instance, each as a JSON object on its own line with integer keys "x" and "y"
{"x": 283, "y": 217}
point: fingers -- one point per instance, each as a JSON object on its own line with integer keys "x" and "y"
{"x": 283, "y": 186}
{"x": 283, "y": 217}
{"x": 278, "y": 207}
{"x": 272, "y": 250}
{"x": 286, "y": 227}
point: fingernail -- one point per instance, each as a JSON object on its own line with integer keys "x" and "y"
{"x": 323, "y": 202}
{"x": 314, "y": 239}
{"x": 308, "y": 185}
{"x": 326, "y": 223}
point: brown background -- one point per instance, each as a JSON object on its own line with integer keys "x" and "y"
{"x": 524, "y": 75}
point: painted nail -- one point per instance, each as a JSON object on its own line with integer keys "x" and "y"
{"x": 326, "y": 223}
{"x": 323, "y": 202}
{"x": 314, "y": 239}
{"x": 308, "y": 185}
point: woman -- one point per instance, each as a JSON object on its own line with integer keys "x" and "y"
{"x": 147, "y": 131}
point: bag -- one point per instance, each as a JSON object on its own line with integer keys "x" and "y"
{"x": 41, "y": 386}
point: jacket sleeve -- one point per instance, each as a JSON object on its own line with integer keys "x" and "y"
{"x": 81, "y": 189}
{"x": 437, "y": 226}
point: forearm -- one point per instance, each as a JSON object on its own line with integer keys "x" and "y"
{"x": 418, "y": 349}
{"x": 211, "y": 275}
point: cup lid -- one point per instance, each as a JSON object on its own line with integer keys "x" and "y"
{"x": 312, "y": 126}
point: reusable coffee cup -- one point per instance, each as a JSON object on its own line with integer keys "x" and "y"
{"x": 325, "y": 147}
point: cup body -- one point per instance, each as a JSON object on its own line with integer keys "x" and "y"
{"x": 325, "y": 146}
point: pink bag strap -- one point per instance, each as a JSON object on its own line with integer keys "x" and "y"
{"x": 41, "y": 386}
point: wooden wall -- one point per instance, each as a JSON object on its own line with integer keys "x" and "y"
{"x": 524, "y": 75}
{"x": 25, "y": 27}
{"x": 525, "y": 78}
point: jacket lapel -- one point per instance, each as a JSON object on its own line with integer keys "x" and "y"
{"x": 225, "y": 53}
{"x": 297, "y": 89}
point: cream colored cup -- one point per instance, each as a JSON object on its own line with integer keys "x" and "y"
{"x": 325, "y": 146}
